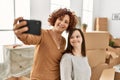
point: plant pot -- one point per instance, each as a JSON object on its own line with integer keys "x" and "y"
{"x": 84, "y": 27}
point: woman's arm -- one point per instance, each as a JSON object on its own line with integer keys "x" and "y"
{"x": 66, "y": 67}
{"x": 30, "y": 39}
{"x": 19, "y": 32}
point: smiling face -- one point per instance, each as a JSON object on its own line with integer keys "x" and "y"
{"x": 62, "y": 23}
{"x": 76, "y": 39}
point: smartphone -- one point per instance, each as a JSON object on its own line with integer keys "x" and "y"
{"x": 34, "y": 26}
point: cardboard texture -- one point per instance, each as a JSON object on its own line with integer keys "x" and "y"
{"x": 97, "y": 40}
{"x": 117, "y": 76}
{"x": 115, "y": 50}
{"x": 101, "y": 24}
{"x": 112, "y": 54}
{"x": 118, "y": 51}
{"x": 97, "y": 71}
{"x": 96, "y": 44}
{"x": 116, "y": 42}
{"x": 96, "y": 57}
{"x": 108, "y": 74}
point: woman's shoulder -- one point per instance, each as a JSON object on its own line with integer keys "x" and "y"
{"x": 67, "y": 55}
{"x": 45, "y": 30}
{"x": 85, "y": 58}
{"x": 66, "y": 58}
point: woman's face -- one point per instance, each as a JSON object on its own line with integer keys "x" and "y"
{"x": 76, "y": 39}
{"x": 62, "y": 23}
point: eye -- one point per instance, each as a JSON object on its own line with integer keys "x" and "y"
{"x": 77, "y": 36}
{"x": 71, "y": 37}
{"x": 66, "y": 22}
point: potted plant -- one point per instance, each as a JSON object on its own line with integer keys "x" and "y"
{"x": 111, "y": 43}
{"x": 84, "y": 27}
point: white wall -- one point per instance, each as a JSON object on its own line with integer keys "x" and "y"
{"x": 76, "y": 5}
{"x": 105, "y": 8}
{"x": 102, "y": 8}
{"x": 40, "y": 9}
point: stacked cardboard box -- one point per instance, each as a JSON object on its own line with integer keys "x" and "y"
{"x": 117, "y": 75}
{"x": 96, "y": 43}
{"x": 108, "y": 74}
{"x": 117, "y": 42}
{"x": 101, "y": 24}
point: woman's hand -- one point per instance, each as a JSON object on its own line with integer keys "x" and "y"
{"x": 18, "y": 29}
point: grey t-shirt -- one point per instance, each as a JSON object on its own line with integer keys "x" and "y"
{"x": 74, "y": 68}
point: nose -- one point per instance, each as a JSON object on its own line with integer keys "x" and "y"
{"x": 62, "y": 22}
{"x": 74, "y": 39}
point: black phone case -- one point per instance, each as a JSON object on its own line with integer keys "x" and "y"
{"x": 34, "y": 26}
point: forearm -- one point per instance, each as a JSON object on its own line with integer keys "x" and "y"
{"x": 29, "y": 39}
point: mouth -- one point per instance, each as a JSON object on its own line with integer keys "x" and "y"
{"x": 61, "y": 26}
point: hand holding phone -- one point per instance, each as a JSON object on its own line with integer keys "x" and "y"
{"x": 34, "y": 26}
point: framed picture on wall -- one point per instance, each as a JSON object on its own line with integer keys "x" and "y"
{"x": 116, "y": 16}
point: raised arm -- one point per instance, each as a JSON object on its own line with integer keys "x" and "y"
{"x": 19, "y": 32}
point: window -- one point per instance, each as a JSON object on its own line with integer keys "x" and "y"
{"x": 87, "y": 13}
{"x": 10, "y": 10}
{"x": 59, "y": 4}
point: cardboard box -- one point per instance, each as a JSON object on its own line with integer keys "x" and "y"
{"x": 108, "y": 74}
{"x": 117, "y": 76}
{"x": 117, "y": 42}
{"x": 96, "y": 57}
{"x": 96, "y": 40}
{"x": 101, "y": 28}
{"x": 101, "y": 24}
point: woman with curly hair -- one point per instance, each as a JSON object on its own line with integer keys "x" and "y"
{"x": 49, "y": 45}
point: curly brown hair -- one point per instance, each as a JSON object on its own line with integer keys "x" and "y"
{"x": 62, "y": 12}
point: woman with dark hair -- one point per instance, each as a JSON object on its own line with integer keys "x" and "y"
{"x": 74, "y": 63}
{"x": 49, "y": 45}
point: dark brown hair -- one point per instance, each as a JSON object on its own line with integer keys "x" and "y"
{"x": 69, "y": 46}
{"x": 62, "y": 12}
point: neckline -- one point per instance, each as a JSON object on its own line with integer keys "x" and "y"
{"x": 76, "y": 56}
{"x": 54, "y": 40}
